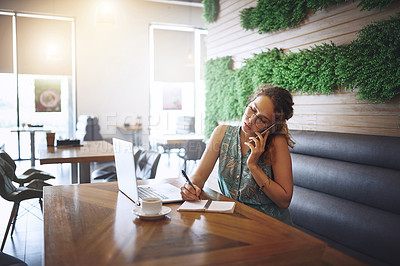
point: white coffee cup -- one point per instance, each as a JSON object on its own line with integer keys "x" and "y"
{"x": 151, "y": 206}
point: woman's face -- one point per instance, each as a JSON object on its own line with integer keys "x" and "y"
{"x": 258, "y": 115}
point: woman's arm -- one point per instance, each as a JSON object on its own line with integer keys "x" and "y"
{"x": 206, "y": 165}
{"x": 279, "y": 191}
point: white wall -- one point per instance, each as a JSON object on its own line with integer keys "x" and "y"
{"x": 112, "y": 65}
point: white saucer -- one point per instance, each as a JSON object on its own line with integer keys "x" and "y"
{"x": 164, "y": 211}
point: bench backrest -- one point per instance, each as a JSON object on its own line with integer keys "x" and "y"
{"x": 347, "y": 189}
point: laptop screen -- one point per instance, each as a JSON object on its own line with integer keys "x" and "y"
{"x": 125, "y": 167}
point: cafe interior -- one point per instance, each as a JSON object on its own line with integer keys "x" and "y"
{"x": 161, "y": 75}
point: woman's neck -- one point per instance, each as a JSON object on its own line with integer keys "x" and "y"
{"x": 244, "y": 137}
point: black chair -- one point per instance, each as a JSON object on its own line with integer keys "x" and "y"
{"x": 29, "y": 175}
{"x": 193, "y": 151}
{"x": 88, "y": 128}
{"x": 8, "y": 260}
{"x": 109, "y": 173}
{"x": 9, "y": 192}
{"x": 146, "y": 164}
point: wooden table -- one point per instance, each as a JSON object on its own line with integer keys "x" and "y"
{"x": 172, "y": 141}
{"x": 130, "y": 133}
{"x": 32, "y": 131}
{"x": 93, "y": 224}
{"x": 91, "y": 151}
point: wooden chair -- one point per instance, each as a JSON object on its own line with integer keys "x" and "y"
{"x": 34, "y": 189}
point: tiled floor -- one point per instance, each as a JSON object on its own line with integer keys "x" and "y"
{"x": 27, "y": 240}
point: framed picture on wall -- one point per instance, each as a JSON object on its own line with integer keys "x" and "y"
{"x": 47, "y": 95}
{"x": 172, "y": 98}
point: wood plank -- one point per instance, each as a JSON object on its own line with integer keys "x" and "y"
{"x": 229, "y": 7}
{"x": 354, "y": 130}
{"x": 340, "y": 97}
{"x": 332, "y": 16}
{"x": 240, "y": 57}
{"x": 307, "y": 34}
{"x": 386, "y": 122}
{"x": 347, "y": 109}
{"x": 232, "y": 27}
{"x": 338, "y": 40}
{"x": 312, "y": 17}
{"x": 341, "y": 112}
{"x": 289, "y": 33}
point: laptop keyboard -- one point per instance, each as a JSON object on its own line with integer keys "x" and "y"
{"x": 146, "y": 192}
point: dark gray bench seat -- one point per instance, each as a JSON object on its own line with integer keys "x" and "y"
{"x": 347, "y": 192}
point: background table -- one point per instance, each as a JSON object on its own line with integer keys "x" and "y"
{"x": 172, "y": 141}
{"x": 91, "y": 151}
{"x": 131, "y": 133}
{"x": 32, "y": 131}
{"x": 93, "y": 224}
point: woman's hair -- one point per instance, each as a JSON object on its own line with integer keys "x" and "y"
{"x": 283, "y": 111}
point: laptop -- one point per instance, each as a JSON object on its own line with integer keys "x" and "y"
{"x": 126, "y": 177}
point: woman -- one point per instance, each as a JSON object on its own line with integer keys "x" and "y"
{"x": 255, "y": 167}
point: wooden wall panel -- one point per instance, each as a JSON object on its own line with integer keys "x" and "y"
{"x": 339, "y": 112}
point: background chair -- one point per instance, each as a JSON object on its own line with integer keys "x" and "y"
{"x": 193, "y": 151}
{"x": 88, "y": 128}
{"x": 146, "y": 164}
{"x": 29, "y": 175}
{"x": 8, "y": 260}
{"x": 109, "y": 173}
{"x": 9, "y": 192}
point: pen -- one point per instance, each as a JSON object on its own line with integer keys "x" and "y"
{"x": 188, "y": 180}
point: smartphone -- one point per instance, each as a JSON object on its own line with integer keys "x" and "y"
{"x": 271, "y": 130}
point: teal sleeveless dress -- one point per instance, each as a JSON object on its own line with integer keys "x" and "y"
{"x": 236, "y": 181}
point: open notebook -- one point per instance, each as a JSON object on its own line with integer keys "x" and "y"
{"x": 208, "y": 206}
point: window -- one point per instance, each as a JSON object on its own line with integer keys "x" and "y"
{"x": 176, "y": 85}
{"x": 38, "y": 78}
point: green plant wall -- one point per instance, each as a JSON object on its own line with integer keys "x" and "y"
{"x": 370, "y": 63}
{"x": 270, "y": 16}
{"x": 210, "y": 10}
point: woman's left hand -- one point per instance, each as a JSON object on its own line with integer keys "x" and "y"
{"x": 257, "y": 147}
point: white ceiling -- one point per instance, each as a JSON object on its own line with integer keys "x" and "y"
{"x": 196, "y": 3}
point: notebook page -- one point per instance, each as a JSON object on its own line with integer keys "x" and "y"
{"x": 195, "y": 205}
{"x": 222, "y": 206}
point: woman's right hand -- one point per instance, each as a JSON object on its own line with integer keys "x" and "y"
{"x": 188, "y": 193}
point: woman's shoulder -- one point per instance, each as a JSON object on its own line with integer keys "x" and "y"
{"x": 218, "y": 134}
{"x": 280, "y": 141}
{"x": 220, "y": 130}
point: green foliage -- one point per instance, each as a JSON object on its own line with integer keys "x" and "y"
{"x": 370, "y": 63}
{"x": 220, "y": 92}
{"x": 309, "y": 70}
{"x": 210, "y": 10}
{"x": 316, "y": 5}
{"x": 273, "y": 15}
{"x": 371, "y": 4}
{"x": 257, "y": 70}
